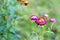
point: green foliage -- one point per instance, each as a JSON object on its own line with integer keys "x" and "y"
{"x": 16, "y": 25}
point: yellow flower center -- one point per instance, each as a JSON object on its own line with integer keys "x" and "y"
{"x": 41, "y": 19}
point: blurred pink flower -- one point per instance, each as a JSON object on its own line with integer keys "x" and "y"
{"x": 52, "y": 20}
{"x": 33, "y": 17}
{"x": 41, "y": 21}
{"x": 46, "y": 15}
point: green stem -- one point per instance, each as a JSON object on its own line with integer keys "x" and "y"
{"x": 51, "y": 25}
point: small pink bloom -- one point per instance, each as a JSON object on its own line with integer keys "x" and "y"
{"x": 46, "y": 15}
{"x": 52, "y": 20}
{"x": 33, "y": 17}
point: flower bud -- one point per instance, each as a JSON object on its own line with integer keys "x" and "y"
{"x": 33, "y": 17}
{"x": 25, "y": 2}
{"x": 52, "y": 20}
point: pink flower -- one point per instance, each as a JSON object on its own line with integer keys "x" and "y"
{"x": 41, "y": 21}
{"x": 46, "y": 15}
{"x": 33, "y": 17}
{"x": 52, "y": 20}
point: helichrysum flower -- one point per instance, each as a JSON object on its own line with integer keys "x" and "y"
{"x": 26, "y": 2}
{"x": 33, "y": 17}
{"x": 52, "y": 20}
{"x": 46, "y": 15}
{"x": 41, "y": 21}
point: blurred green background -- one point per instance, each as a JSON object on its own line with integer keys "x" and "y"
{"x": 16, "y": 25}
